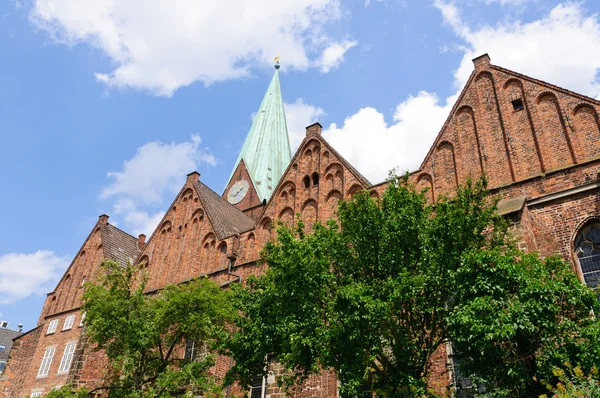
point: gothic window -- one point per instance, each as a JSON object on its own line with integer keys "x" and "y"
{"x": 315, "y": 178}
{"x": 306, "y": 181}
{"x": 587, "y": 251}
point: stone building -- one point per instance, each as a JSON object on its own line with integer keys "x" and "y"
{"x": 538, "y": 145}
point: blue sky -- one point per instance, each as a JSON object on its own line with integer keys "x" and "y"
{"x": 106, "y": 105}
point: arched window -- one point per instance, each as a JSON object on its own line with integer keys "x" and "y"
{"x": 306, "y": 181}
{"x": 587, "y": 251}
{"x": 315, "y": 178}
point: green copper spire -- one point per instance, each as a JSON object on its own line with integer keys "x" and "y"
{"x": 266, "y": 151}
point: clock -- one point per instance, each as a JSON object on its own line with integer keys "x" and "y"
{"x": 238, "y": 191}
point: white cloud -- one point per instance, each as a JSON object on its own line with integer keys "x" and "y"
{"x": 22, "y": 275}
{"x": 333, "y": 55}
{"x": 298, "y": 115}
{"x": 560, "y": 48}
{"x": 161, "y": 46}
{"x": 374, "y": 147}
{"x": 156, "y": 169}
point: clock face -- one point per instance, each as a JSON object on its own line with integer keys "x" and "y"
{"x": 238, "y": 191}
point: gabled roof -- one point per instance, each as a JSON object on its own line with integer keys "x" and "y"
{"x": 226, "y": 219}
{"x": 362, "y": 179}
{"x": 476, "y": 72}
{"x": 118, "y": 245}
{"x": 266, "y": 151}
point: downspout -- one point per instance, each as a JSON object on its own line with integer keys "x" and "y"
{"x": 232, "y": 257}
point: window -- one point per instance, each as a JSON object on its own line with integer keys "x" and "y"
{"x": 4, "y": 325}
{"x": 306, "y": 181}
{"x": 82, "y": 282}
{"x": 587, "y": 251}
{"x": 52, "y": 326}
{"x": 69, "y": 322}
{"x": 2, "y": 348}
{"x": 191, "y": 350}
{"x": 46, "y": 361}
{"x": 36, "y": 394}
{"x": 315, "y": 178}
{"x": 82, "y": 319}
{"x": 518, "y": 104}
{"x": 65, "y": 363}
{"x": 2, "y": 366}
{"x": 258, "y": 386}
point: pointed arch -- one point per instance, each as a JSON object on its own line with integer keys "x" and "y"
{"x": 353, "y": 190}
{"x": 166, "y": 227}
{"x": 286, "y": 216}
{"x": 468, "y": 138}
{"x": 309, "y": 213}
{"x": 587, "y": 131}
{"x": 265, "y": 229}
{"x": 197, "y": 216}
{"x": 521, "y": 126}
{"x": 425, "y": 182}
{"x": 445, "y": 168}
{"x": 553, "y": 133}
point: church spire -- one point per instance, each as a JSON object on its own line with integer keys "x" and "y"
{"x": 266, "y": 152}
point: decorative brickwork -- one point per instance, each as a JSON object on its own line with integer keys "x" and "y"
{"x": 538, "y": 145}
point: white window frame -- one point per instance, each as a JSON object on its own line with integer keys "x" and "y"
{"x": 46, "y": 361}
{"x": 2, "y": 348}
{"x": 2, "y": 370}
{"x": 52, "y": 326}
{"x": 67, "y": 359}
{"x": 69, "y": 321}
{"x": 36, "y": 394}
{"x": 82, "y": 319}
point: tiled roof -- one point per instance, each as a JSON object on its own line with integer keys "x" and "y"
{"x": 226, "y": 219}
{"x": 118, "y": 245}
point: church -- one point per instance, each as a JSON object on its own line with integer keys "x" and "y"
{"x": 537, "y": 144}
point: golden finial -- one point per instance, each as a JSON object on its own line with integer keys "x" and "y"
{"x": 276, "y": 60}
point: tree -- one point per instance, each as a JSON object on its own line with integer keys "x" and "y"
{"x": 143, "y": 334}
{"x": 519, "y": 318}
{"x": 374, "y": 296}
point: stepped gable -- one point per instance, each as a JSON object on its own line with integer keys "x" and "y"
{"x": 510, "y": 128}
{"x": 227, "y": 220}
{"x": 118, "y": 245}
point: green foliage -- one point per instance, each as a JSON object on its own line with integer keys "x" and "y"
{"x": 374, "y": 296}
{"x": 368, "y": 298}
{"x": 67, "y": 391}
{"x": 143, "y": 334}
{"x": 574, "y": 383}
{"x": 517, "y": 317}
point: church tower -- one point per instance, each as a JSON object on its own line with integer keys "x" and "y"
{"x": 265, "y": 155}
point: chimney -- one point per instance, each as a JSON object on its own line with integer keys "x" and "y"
{"x": 103, "y": 219}
{"x": 141, "y": 243}
{"x": 482, "y": 62}
{"x": 314, "y": 129}
{"x": 193, "y": 177}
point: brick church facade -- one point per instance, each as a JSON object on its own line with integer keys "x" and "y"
{"x": 538, "y": 145}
